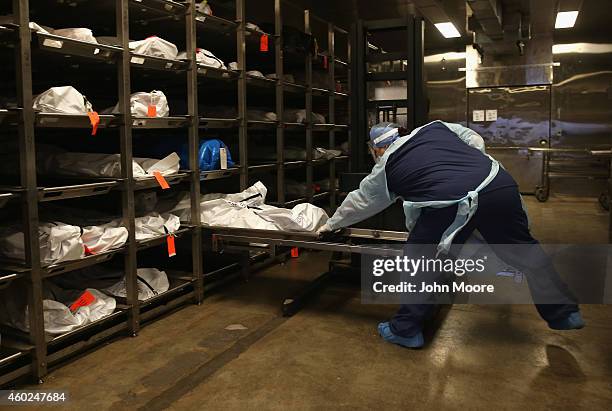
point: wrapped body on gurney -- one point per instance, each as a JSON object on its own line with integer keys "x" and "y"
{"x": 248, "y": 210}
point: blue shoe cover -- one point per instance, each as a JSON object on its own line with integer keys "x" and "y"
{"x": 573, "y": 321}
{"x": 416, "y": 341}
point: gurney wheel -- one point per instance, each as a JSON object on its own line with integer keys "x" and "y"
{"x": 541, "y": 194}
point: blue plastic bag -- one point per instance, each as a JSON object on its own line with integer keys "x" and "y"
{"x": 209, "y": 155}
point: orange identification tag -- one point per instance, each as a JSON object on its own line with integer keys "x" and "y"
{"x": 325, "y": 64}
{"x": 87, "y": 250}
{"x": 171, "y": 246}
{"x": 94, "y": 119}
{"x": 295, "y": 253}
{"x": 152, "y": 111}
{"x": 263, "y": 44}
{"x": 161, "y": 180}
{"x": 83, "y": 301}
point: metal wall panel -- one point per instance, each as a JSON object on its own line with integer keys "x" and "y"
{"x": 446, "y": 87}
{"x": 523, "y": 120}
{"x": 582, "y": 96}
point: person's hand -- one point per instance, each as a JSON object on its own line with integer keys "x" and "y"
{"x": 324, "y": 229}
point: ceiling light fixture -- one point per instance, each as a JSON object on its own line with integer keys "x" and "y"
{"x": 566, "y": 19}
{"x": 448, "y": 30}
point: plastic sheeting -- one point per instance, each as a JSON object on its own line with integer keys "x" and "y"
{"x": 155, "y": 47}
{"x": 205, "y": 58}
{"x": 154, "y": 225}
{"x": 103, "y": 165}
{"x": 203, "y": 7}
{"x": 149, "y": 226}
{"x": 58, "y": 318}
{"x": 80, "y": 33}
{"x": 64, "y": 100}
{"x": 101, "y": 238}
{"x": 140, "y": 102}
{"x": 61, "y": 242}
{"x": 151, "y": 282}
{"x": 248, "y": 210}
{"x": 299, "y": 116}
{"x": 58, "y": 242}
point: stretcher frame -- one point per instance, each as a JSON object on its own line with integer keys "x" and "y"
{"x": 354, "y": 241}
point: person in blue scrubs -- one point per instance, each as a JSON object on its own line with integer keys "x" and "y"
{"x": 449, "y": 187}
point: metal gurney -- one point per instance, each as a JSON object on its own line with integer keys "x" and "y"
{"x": 354, "y": 241}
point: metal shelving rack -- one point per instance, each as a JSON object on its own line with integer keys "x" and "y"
{"x": 35, "y": 352}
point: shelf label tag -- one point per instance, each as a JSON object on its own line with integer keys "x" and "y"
{"x": 263, "y": 44}
{"x": 295, "y": 252}
{"x": 161, "y": 180}
{"x": 171, "y": 246}
{"x": 83, "y": 301}
{"x": 152, "y": 111}
{"x": 94, "y": 119}
{"x": 58, "y": 44}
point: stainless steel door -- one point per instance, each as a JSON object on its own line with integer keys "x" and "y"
{"x": 512, "y": 120}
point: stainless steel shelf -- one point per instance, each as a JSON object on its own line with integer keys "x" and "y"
{"x": 294, "y": 126}
{"x": 67, "y": 266}
{"x": 323, "y": 127}
{"x": 219, "y": 174}
{"x": 9, "y": 116}
{"x": 55, "y": 340}
{"x": 157, "y": 241}
{"x": 263, "y": 167}
{"x": 46, "y": 194}
{"x": 69, "y": 47}
{"x": 342, "y": 63}
{"x": 320, "y": 92}
{"x": 294, "y": 88}
{"x": 9, "y": 356}
{"x": 177, "y": 286}
{"x": 295, "y": 164}
{"x": 163, "y": 7}
{"x": 341, "y": 96}
{"x": 259, "y": 125}
{"x": 214, "y": 23}
{"x": 156, "y": 63}
{"x": 321, "y": 196}
{"x": 216, "y": 73}
{"x": 55, "y": 120}
{"x": 160, "y": 122}
{"x": 218, "y": 123}
{"x": 10, "y": 273}
{"x": 262, "y": 82}
{"x": 9, "y": 34}
{"x": 151, "y": 182}
{"x": 5, "y": 198}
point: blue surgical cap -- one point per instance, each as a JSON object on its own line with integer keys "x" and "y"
{"x": 383, "y": 134}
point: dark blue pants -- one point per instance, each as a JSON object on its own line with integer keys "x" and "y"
{"x": 501, "y": 220}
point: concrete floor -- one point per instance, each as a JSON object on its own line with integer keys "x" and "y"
{"x": 329, "y": 356}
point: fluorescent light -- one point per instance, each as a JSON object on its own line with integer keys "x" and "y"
{"x": 447, "y": 29}
{"x": 566, "y": 19}
{"x": 437, "y": 58}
